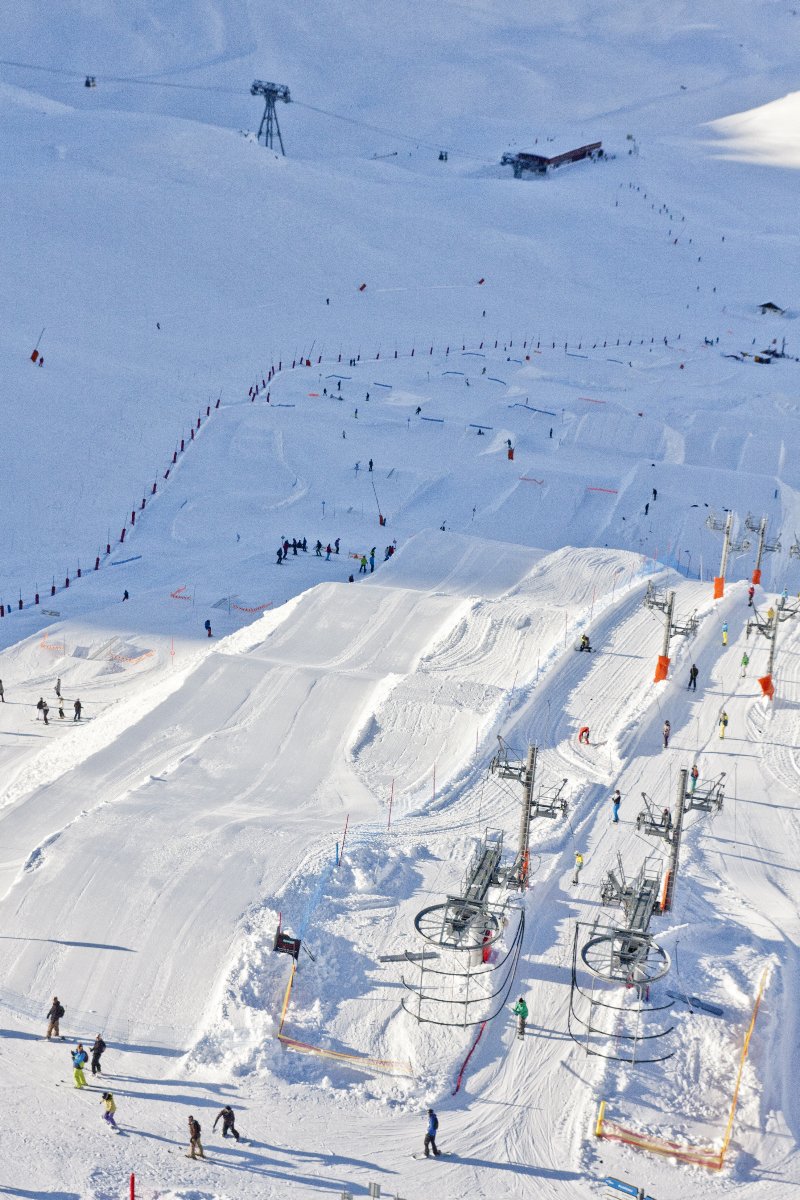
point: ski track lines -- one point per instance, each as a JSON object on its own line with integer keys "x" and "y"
{"x": 202, "y": 836}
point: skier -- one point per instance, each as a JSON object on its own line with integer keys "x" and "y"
{"x": 723, "y": 723}
{"x": 745, "y": 663}
{"x": 285, "y": 547}
{"x": 125, "y": 595}
{"x": 372, "y": 562}
{"x": 370, "y": 464}
{"x": 39, "y": 707}
{"x": 304, "y": 544}
{"x": 194, "y": 1139}
{"x": 693, "y": 673}
{"x": 616, "y": 800}
{"x": 2, "y": 693}
{"x": 585, "y": 644}
{"x": 666, "y": 732}
{"x": 54, "y": 1015}
{"x": 655, "y": 494}
{"x": 226, "y": 1116}
{"x": 78, "y": 710}
{"x": 318, "y": 549}
{"x": 724, "y": 633}
{"x": 336, "y": 546}
{"x": 694, "y": 775}
{"x": 583, "y": 735}
{"x": 419, "y": 410}
{"x": 57, "y": 688}
{"x": 60, "y": 709}
{"x": 207, "y": 624}
{"x": 578, "y": 866}
{"x": 97, "y": 1049}
{"x": 751, "y": 591}
{"x": 294, "y": 547}
{"x": 110, "y": 1109}
{"x": 328, "y": 552}
{"x": 430, "y": 1136}
{"x": 280, "y": 556}
{"x": 362, "y": 569}
{"x": 520, "y": 1011}
{"x": 45, "y": 711}
{"x": 79, "y": 1060}
{"x": 647, "y": 508}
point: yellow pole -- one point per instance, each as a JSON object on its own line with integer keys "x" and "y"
{"x": 601, "y": 1112}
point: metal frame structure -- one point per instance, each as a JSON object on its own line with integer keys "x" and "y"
{"x": 549, "y": 802}
{"x": 269, "y": 126}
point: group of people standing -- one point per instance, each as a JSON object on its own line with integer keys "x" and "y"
{"x": 43, "y": 708}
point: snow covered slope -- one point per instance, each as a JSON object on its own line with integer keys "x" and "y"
{"x": 217, "y": 380}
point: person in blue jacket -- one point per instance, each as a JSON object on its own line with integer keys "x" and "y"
{"x": 430, "y": 1136}
{"x": 79, "y": 1061}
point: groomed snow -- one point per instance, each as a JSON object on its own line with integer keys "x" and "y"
{"x": 603, "y": 322}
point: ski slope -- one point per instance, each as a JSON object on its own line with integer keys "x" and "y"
{"x": 323, "y": 759}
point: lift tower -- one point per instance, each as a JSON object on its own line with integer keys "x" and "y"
{"x": 269, "y": 122}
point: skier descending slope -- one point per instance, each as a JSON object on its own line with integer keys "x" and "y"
{"x": 430, "y": 1136}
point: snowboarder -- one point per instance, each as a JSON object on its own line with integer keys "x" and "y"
{"x": 57, "y": 688}
{"x": 693, "y": 673}
{"x": 2, "y": 693}
{"x": 724, "y": 633}
{"x": 666, "y": 732}
{"x": 372, "y": 562}
{"x": 520, "y": 1011}
{"x": 430, "y": 1136}
{"x": 110, "y": 1109}
{"x": 294, "y": 547}
{"x": 97, "y": 1050}
{"x": 336, "y": 546}
{"x": 45, "y": 711}
{"x": 616, "y": 800}
{"x": 578, "y": 866}
{"x": 585, "y": 644}
{"x": 328, "y": 552}
{"x": 39, "y": 707}
{"x": 419, "y": 410}
{"x": 583, "y": 735}
{"x": 228, "y": 1126}
{"x": 60, "y": 709}
{"x": 370, "y": 464}
{"x": 280, "y": 556}
{"x": 54, "y": 1015}
{"x": 318, "y": 549}
{"x": 751, "y": 591}
{"x": 125, "y": 595}
{"x": 194, "y": 1139}
{"x": 207, "y": 627}
{"x": 770, "y": 615}
{"x": 745, "y": 663}
{"x": 655, "y": 493}
{"x": 723, "y": 723}
{"x": 647, "y": 508}
{"x": 362, "y": 569}
{"x": 79, "y": 1060}
{"x": 78, "y": 710}
{"x": 694, "y": 775}
{"x": 351, "y": 579}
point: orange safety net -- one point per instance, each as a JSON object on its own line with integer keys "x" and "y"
{"x": 373, "y": 1064}
{"x": 767, "y": 686}
{"x": 699, "y": 1155}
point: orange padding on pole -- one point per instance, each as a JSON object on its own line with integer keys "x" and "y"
{"x": 703, "y": 1157}
{"x": 757, "y": 575}
{"x": 719, "y": 587}
{"x": 664, "y": 891}
{"x": 375, "y": 1064}
{"x": 767, "y": 686}
{"x": 662, "y": 667}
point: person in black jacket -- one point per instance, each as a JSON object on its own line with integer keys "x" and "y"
{"x": 693, "y": 673}
{"x": 97, "y": 1049}
{"x": 194, "y": 1139}
{"x": 54, "y": 1015}
{"x": 227, "y": 1118}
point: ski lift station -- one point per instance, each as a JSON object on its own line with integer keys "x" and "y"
{"x": 538, "y": 164}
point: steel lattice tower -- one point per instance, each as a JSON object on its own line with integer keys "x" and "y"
{"x": 269, "y": 122}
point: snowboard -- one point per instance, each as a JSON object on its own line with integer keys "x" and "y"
{"x": 441, "y": 1154}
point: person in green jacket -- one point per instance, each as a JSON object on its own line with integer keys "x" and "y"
{"x": 520, "y": 1011}
{"x": 745, "y": 663}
